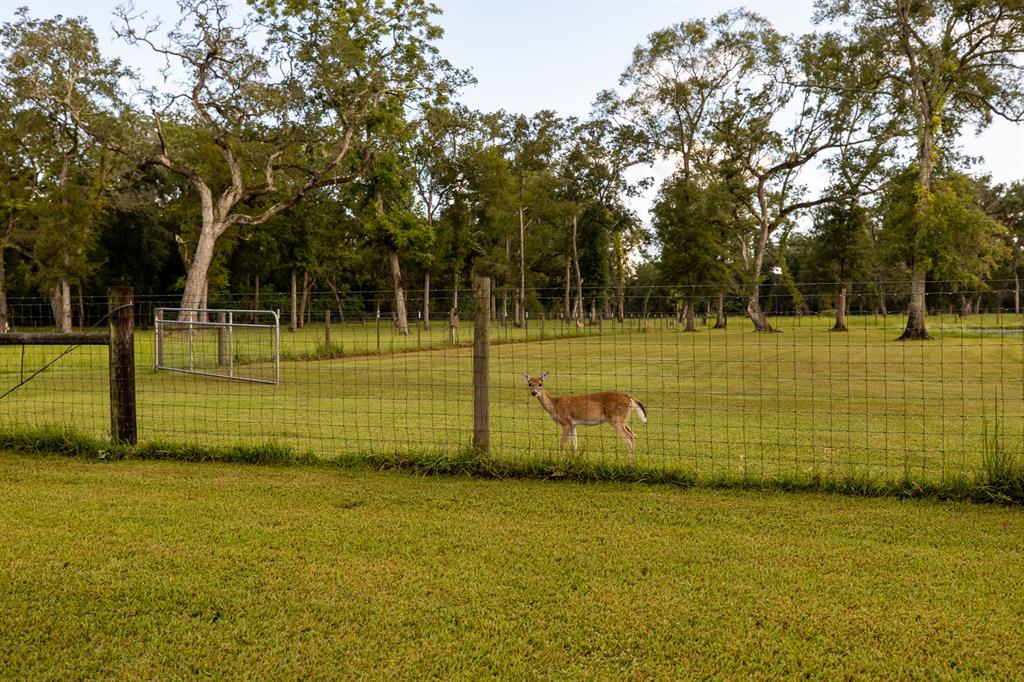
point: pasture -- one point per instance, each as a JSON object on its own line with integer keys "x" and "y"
{"x": 169, "y": 570}
{"x": 721, "y": 403}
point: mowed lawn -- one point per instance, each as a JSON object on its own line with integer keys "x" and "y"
{"x": 160, "y": 570}
{"x": 802, "y": 402}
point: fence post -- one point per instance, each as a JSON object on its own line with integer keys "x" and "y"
{"x": 481, "y": 366}
{"x": 222, "y": 339}
{"x": 327, "y": 332}
{"x": 158, "y": 330}
{"x": 122, "y": 365}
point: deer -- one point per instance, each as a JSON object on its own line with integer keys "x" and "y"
{"x": 590, "y": 409}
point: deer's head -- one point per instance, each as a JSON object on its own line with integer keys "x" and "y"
{"x": 536, "y": 384}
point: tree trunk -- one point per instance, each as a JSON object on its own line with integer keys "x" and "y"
{"x": 1017, "y": 290}
{"x": 521, "y": 293}
{"x": 426, "y": 301}
{"x": 81, "y": 308}
{"x": 294, "y": 325}
{"x": 755, "y": 313}
{"x": 881, "y": 300}
{"x": 915, "y": 330}
{"x": 256, "y": 294}
{"x": 401, "y": 316}
{"x": 620, "y": 264}
{"x": 929, "y": 118}
{"x": 840, "y": 325}
{"x": 197, "y": 279}
{"x": 568, "y": 287}
{"x": 721, "y": 321}
{"x": 304, "y": 301}
{"x": 579, "y": 277}
{"x": 620, "y": 312}
{"x": 203, "y": 302}
{"x": 965, "y": 305}
{"x": 337, "y": 299}
{"x": 60, "y": 302}
{"x": 688, "y": 316}
{"x": 647, "y": 299}
{"x": 5, "y": 321}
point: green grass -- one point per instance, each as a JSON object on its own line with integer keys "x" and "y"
{"x": 164, "y": 570}
{"x": 802, "y": 404}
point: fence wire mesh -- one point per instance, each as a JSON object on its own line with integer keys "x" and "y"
{"x": 802, "y": 400}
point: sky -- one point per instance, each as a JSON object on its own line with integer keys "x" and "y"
{"x": 529, "y": 55}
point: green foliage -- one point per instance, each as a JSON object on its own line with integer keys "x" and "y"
{"x": 950, "y": 237}
{"x": 840, "y": 247}
{"x": 1002, "y": 462}
{"x": 58, "y": 177}
{"x": 685, "y": 219}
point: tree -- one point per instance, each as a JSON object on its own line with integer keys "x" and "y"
{"x": 685, "y": 222}
{"x": 740, "y": 106}
{"x": 531, "y": 145}
{"x": 948, "y": 62}
{"x": 285, "y": 120}
{"x": 15, "y": 187}
{"x": 435, "y": 157}
{"x": 593, "y": 191}
{"x": 53, "y": 68}
{"x": 1006, "y": 204}
{"x": 840, "y": 250}
{"x": 954, "y": 240}
{"x": 390, "y": 223}
{"x": 676, "y": 83}
{"x": 806, "y": 108}
{"x": 675, "y": 88}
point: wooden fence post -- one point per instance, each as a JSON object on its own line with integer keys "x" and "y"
{"x": 121, "y": 301}
{"x": 327, "y": 332}
{"x": 481, "y": 366}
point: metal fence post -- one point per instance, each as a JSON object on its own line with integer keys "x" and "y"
{"x": 222, "y": 339}
{"x": 158, "y": 330}
{"x": 481, "y": 366}
{"x": 122, "y": 365}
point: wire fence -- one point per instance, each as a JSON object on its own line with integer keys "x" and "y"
{"x": 802, "y": 400}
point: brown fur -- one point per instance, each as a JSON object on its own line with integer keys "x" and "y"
{"x": 569, "y": 411}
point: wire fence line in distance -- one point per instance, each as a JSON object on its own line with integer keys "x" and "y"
{"x": 720, "y": 398}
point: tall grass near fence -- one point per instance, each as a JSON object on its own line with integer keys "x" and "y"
{"x": 804, "y": 404}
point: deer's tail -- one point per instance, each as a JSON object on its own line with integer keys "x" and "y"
{"x": 639, "y": 408}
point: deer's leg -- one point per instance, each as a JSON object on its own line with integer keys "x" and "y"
{"x": 575, "y": 444}
{"x": 565, "y": 438}
{"x": 627, "y": 435}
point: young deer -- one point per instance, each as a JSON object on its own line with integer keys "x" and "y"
{"x": 569, "y": 411}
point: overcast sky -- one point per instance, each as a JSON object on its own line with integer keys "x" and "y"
{"x": 529, "y": 55}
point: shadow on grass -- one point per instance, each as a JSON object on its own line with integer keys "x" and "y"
{"x": 1000, "y": 480}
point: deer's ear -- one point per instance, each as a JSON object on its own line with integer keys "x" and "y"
{"x": 526, "y": 376}
{"x": 543, "y": 376}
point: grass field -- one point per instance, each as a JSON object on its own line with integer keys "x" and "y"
{"x": 721, "y": 403}
{"x": 168, "y": 571}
